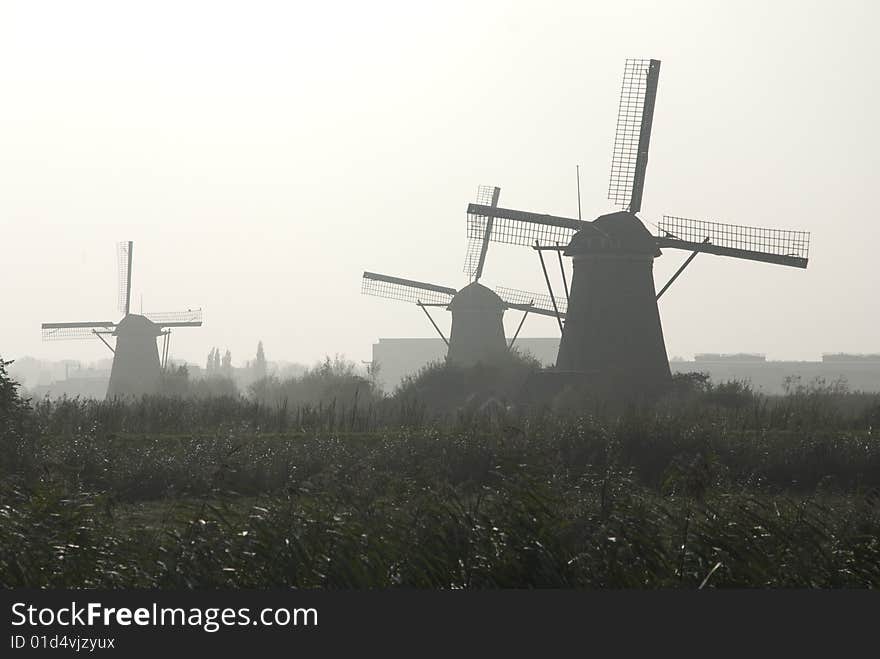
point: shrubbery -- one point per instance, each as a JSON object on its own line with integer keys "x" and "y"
{"x": 444, "y": 387}
{"x": 320, "y": 481}
{"x": 331, "y": 382}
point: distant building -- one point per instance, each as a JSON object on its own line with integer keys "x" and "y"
{"x": 84, "y": 385}
{"x": 844, "y": 357}
{"x": 733, "y": 357}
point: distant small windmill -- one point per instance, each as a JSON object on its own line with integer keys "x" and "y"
{"x": 136, "y": 366}
{"x": 477, "y": 333}
{"x": 613, "y": 329}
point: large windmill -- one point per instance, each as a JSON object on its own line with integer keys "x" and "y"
{"x": 612, "y": 330}
{"x": 136, "y": 367}
{"x": 477, "y": 333}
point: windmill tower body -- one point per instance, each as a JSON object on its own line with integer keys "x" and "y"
{"x": 477, "y": 333}
{"x": 612, "y": 329}
{"x": 136, "y": 370}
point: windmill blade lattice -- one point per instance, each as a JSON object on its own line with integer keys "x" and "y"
{"x": 68, "y": 331}
{"x": 780, "y": 246}
{"x": 478, "y": 243}
{"x": 632, "y": 137}
{"x": 540, "y": 302}
{"x": 520, "y": 227}
{"x": 171, "y": 318}
{"x": 405, "y": 290}
{"x": 123, "y": 256}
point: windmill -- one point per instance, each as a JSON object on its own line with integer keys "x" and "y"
{"x": 612, "y": 330}
{"x": 136, "y": 369}
{"x": 477, "y": 333}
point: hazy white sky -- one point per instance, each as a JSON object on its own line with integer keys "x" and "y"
{"x": 263, "y": 154}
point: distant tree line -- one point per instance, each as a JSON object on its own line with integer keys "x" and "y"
{"x": 221, "y": 366}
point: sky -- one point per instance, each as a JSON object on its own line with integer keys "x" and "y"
{"x": 262, "y": 155}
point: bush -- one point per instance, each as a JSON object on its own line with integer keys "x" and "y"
{"x": 444, "y": 387}
{"x": 331, "y": 382}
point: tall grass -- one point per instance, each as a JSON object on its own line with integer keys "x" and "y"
{"x": 711, "y": 486}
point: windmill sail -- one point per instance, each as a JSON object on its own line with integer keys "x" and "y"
{"x": 188, "y": 318}
{"x": 520, "y": 227}
{"x": 632, "y": 137}
{"x": 779, "y": 246}
{"x": 405, "y": 290}
{"x": 86, "y": 330}
{"x": 124, "y": 252}
{"x": 539, "y": 303}
{"x": 478, "y": 245}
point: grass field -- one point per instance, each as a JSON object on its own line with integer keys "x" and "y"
{"x": 709, "y": 487}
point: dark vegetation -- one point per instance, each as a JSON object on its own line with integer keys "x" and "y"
{"x": 322, "y": 481}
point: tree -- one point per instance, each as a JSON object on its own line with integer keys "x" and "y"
{"x": 209, "y": 367}
{"x": 259, "y": 366}
{"x": 175, "y": 381}
{"x": 16, "y": 442}
{"x": 373, "y": 370}
{"x": 11, "y": 403}
{"x": 227, "y": 364}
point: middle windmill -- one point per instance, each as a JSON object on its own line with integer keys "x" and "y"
{"x": 477, "y": 333}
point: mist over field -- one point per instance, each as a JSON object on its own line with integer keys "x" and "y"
{"x": 262, "y": 156}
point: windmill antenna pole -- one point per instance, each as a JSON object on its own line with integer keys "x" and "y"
{"x": 562, "y": 270}
{"x": 484, "y": 248}
{"x": 428, "y": 314}
{"x": 104, "y": 341}
{"x": 128, "y": 283}
{"x": 549, "y": 287}
{"x": 578, "y": 174}
{"x": 681, "y": 269}
{"x": 522, "y": 320}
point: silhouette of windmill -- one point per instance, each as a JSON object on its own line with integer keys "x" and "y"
{"x": 136, "y": 367}
{"x": 477, "y": 333}
{"x": 612, "y": 330}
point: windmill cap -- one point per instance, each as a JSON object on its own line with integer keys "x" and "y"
{"x": 476, "y": 297}
{"x": 136, "y": 324}
{"x": 614, "y": 232}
